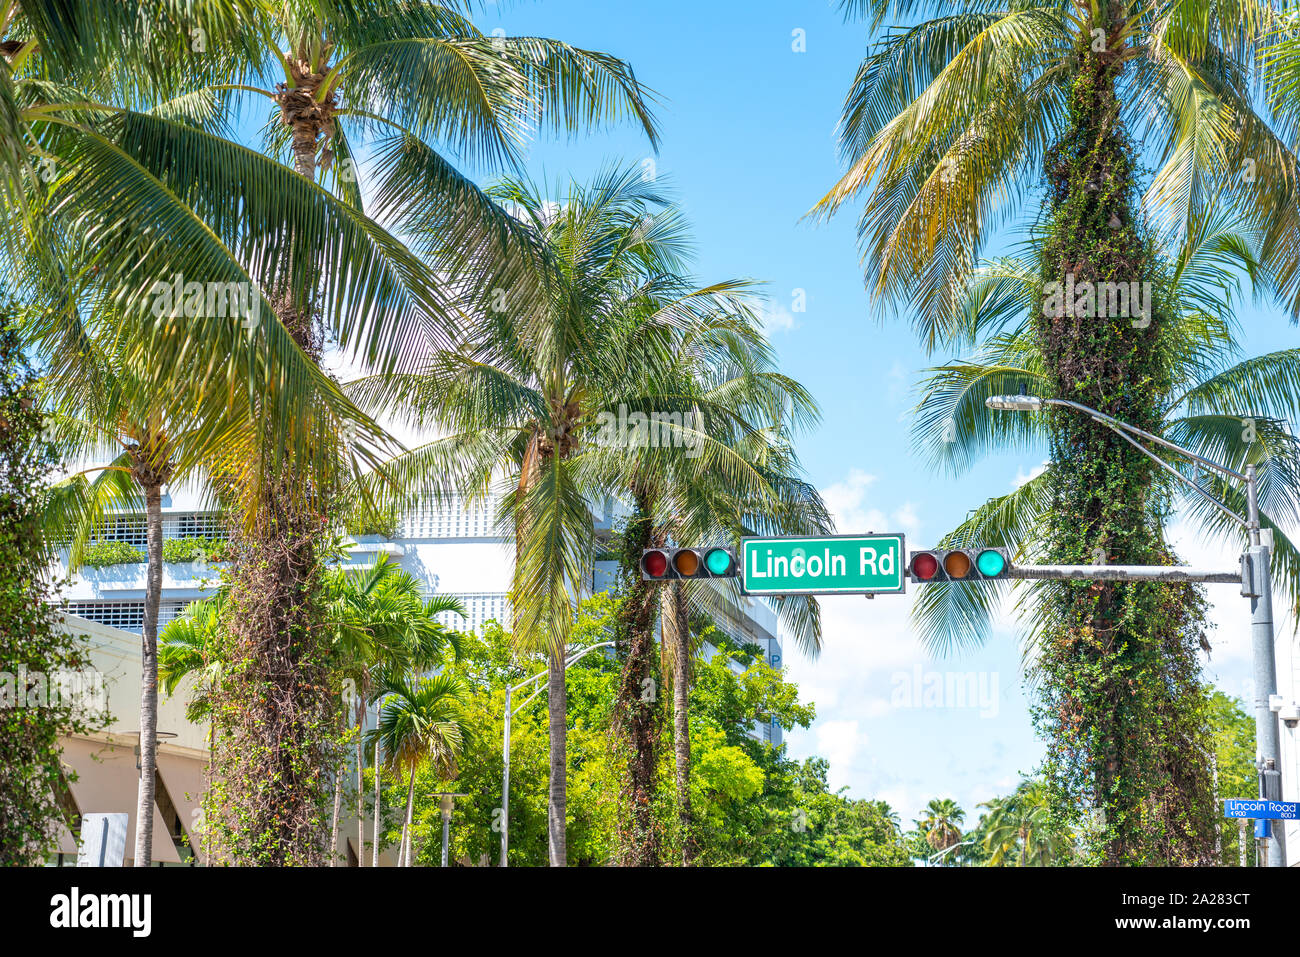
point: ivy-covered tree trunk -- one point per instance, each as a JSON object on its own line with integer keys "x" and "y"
{"x": 677, "y": 636}
{"x": 1122, "y": 703}
{"x": 638, "y": 714}
{"x": 278, "y": 712}
{"x": 273, "y": 795}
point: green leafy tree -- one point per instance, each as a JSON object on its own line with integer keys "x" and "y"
{"x": 36, "y": 654}
{"x": 488, "y": 663}
{"x": 753, "y": 805}
{"x": 726, "y": 387}
{"x": 1234, "y": 768}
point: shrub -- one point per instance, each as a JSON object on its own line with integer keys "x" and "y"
{"x": 192, "y": 549}
{"x": 32, "y": 646}
{"x": 102, "y": 554}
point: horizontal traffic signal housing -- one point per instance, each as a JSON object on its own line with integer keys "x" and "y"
{"x": 675, "y": 564}
{"x": 960, "y": 565}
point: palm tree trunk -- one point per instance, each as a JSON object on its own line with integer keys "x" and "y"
{"x": 374, "y": 851}
{"x": 558, "y": 798}
{"x": 1120, "y": 657}
{"x": 406, "y": 828}
{"x": 278, "y": 671}
{"x": 331, "y": 839}
{"x": 638, "y": 709}
{"x": 676, "y": 626}
{"x": 361, "y": 806}
{"x": 149, "y": 678}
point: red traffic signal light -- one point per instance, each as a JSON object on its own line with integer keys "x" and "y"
{"x": 675, "y": 564}
{"x": 654, "y": 563}
{"x": 960, "y": 564}
{"x": 924, "y": 566}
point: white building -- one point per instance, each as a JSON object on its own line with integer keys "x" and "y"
{"x": 453, "y": 548}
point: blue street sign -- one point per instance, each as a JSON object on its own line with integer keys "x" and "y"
{"x": 1261, "y": 828}
{"x": 1260, "y": 809}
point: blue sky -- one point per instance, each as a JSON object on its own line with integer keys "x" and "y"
{"x": 748, "y": 147}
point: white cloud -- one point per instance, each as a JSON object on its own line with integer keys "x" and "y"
{"x": 777, "y": 318}
{"x": 847, "y": 503}
{"x": 838, "y": 742}
{"x": 1023, "y": 479}
{"x": 868, "y": 742}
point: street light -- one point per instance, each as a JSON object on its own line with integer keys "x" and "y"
{"x": 445, "y": 801}
{"x": 1014, "y": 403}
{"x": 159, "y": 737}
{"x": 1256, "y": 584}
{"x": 569, "y": 661}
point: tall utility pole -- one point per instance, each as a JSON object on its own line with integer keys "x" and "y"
{"x": 1255, "y": 577}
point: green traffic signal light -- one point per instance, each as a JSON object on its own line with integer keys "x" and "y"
{"x": 991, "y": 563}
{"x": 718, "y": 561}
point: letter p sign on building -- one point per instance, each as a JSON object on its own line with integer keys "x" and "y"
{"x": 824, "y": 565}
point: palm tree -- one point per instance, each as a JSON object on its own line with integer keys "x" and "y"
{"x": 1228, "y": 409}
{"x": 96, "y": 416}
{"x": 406, "y": 74}
{"x": 1018, "y": 829}
{"x": 941, "y": 825}
{"x": 381, "y": 625}
{"x": 74, "y": 171}
{"x": 419, "y": 725}
{"x": 750, "y": 406}
{"x": 381, "y": 628}
{"x": 527, "y": 398}
{"x": 945, "y": 121}
{"x": 135, "y": 189}
{"x": 1207, "y": 399}
{"x": 950, "y": 118}
{"x": 721, "y": 375}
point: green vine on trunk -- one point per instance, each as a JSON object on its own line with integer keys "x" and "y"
{"x": 1120, "y": 698}
{"x": 638, "y": 719}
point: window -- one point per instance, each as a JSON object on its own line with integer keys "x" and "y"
{"x": 451, "y": 519}
{"x": 126, "y": 615}
{"x": 479, "y": 610}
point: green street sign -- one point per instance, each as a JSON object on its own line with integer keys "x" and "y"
{"x": 823, "y": 565}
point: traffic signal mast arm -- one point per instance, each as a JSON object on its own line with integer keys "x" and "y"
{"x": 1121, "y": 573}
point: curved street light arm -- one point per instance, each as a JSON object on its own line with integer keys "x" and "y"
{"x": 1115, "y": 423}
{"x": 568, "y": 662}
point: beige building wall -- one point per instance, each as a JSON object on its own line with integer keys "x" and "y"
{"x": 104, "y": 763}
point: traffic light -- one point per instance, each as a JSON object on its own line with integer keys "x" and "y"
{"x": 668, "y": 564}
{"x": 960, "y": 564}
